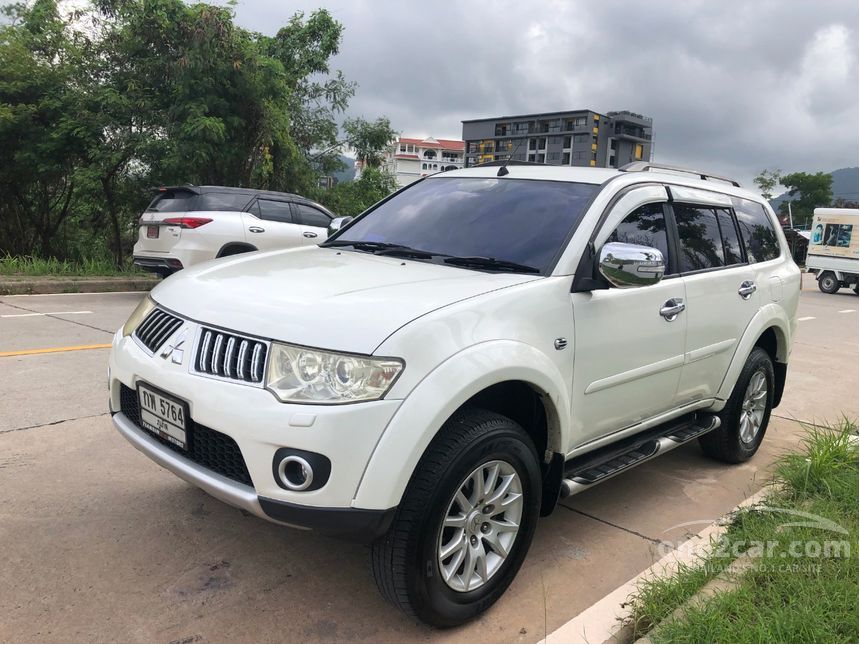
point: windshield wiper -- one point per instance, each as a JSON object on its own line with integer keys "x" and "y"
{"x": 383, "y": 248}
{"x": 480, "y": 262}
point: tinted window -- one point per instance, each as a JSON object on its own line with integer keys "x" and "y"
{"x": 277, "y": 211}
{"x": 757, "y": 230}
{"x": 646, "y": 226}
{"x": 173, "y": 201}
{"x": 731, "y": 242}
{"x": 222, "y": 202}
{"x": 699, "y": 233}
{"x": 310, "y": 216}
{"x": 519, "y": 220}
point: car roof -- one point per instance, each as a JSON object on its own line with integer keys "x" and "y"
{"x": 233, "y": 190}
{"x": 599, "y": 176}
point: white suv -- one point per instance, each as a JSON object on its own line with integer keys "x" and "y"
{"x": 184, "y": 225}
{"x": 441, "y": 371}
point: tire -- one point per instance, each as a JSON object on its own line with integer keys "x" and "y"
{"x": 408, "y": 566}
{"x": 733, "y": 442}
{"x": 828, "y": 282}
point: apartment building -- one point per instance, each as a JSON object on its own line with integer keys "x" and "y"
{"x": 572, "y": 138}
{"x": 409, "y": 159}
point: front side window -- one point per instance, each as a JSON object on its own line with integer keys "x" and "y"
{"x": 645, "y": 226}
{"x": 310, "y": 216}
{"x": 757, "y": 231}
{"x": 699, "y": 234}
{"x": 515, "y": 220}
{"x": 275, "y": 211}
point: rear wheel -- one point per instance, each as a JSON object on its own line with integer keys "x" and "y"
{"x": 465, "y": 523}
{"x": 828, "y": 282}
{"x": 746, "y": 415}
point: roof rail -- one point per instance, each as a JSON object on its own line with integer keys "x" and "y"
{"x": 644, "y": 166}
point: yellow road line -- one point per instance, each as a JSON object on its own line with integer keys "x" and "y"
{"x": 53, "y": 350}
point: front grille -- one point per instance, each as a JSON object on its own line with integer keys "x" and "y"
{"x": 207, "y": 447}
{"x": 156, "y": 328}
{"x": 230, "y": 356}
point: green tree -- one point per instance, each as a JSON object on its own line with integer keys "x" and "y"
{"x": 355, "y": 197}
{"x": 811, "y": 191}
{"x": 767, "y": 181}
{"x": 370, "y": 140}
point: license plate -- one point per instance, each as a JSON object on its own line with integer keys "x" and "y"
{"x": 152, "y": 232}
{"x": 164, "y": 415}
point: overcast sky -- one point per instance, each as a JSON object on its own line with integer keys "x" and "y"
{"x": 733, "y": 87}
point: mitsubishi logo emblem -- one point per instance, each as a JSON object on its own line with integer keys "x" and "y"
{"x": 175, "y": 349}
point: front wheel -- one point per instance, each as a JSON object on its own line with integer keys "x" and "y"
{"x": 746, "y": 415}
{"x": 828, "y": 282}
{"x": 465, "y": 522}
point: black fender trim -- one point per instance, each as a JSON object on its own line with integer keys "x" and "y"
{"x": 553, "y": 473}
{"x": 355, "y": 524}
{"x": 247, "y": 248}
{"x": 780, "y": 371}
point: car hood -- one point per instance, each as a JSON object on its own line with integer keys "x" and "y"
{"x": 321, "y": 297}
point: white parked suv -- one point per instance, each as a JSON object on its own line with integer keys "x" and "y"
{"x": 184, "y": 225}
{"x": 435, "y": 376}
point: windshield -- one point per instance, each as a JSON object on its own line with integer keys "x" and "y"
{"x": 523, "y": 221}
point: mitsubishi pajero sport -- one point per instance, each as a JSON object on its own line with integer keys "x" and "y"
{"x": 437, "y": 374}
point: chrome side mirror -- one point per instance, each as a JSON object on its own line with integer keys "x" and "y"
{"x": 631, "y": 265}
{"x": 338, "y": 223}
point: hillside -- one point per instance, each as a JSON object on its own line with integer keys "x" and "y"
{"x": 845, "y": 185}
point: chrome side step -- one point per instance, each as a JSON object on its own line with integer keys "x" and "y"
{"x": 581, "y": 473}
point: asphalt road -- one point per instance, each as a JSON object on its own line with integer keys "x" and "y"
{"x": 100, "y": 544}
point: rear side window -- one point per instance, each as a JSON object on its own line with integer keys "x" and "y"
{"x": 731, "y": 241}
{"x": 173, "y": 201}
{"x": 757, "y": 231}
{"x": 646, "y": 226}
{"x": 276, "y": 211}
{"x": 701, "y": 242}
{"x": 310, "y": 216}
{"x": 222, "y": 202}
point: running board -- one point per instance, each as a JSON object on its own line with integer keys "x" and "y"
{"x": 581, "y": 473}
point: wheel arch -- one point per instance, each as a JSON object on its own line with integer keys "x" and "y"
{"x": 770, "y": 330}
{"x": 522, "y": 384}
{"x": 234, "y": 248}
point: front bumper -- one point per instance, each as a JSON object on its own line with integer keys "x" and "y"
{"x": 353, "y": 523}
{"x": 260, "y": 425}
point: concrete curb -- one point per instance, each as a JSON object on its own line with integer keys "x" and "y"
{"x": 45, "y": 285}
{"x": 604, "y": 621}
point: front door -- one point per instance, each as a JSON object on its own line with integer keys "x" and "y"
{"x": 628, "y": 355}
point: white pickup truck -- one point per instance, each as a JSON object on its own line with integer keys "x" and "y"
{"x": 833, "y": 248}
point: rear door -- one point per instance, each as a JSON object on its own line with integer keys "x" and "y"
{"x": 269, "y": 225}
{"x": 722, "y": 291}
{"x": 313, "y": 221}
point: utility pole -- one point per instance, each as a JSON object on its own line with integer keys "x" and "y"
{"x": 790, "y": 220}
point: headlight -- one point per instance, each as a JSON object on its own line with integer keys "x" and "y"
{"x": 140, "y": 312}
{"x": 301, "y": 375}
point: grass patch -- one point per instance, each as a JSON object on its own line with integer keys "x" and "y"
{"x": 33, "y": 266}
{"x": 803, "y": 584}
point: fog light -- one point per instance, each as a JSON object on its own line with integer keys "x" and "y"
{"x": 295, "y": 473}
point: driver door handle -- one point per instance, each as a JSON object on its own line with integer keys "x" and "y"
{"x": 747, "y": 289}
{"x": 257, "y": 229}
{"x": 671, "y": 308}
{"x": 309, "y": 234}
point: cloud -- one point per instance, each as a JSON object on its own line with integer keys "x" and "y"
{"x": 733, "y": 87}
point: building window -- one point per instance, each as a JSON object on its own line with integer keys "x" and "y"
{"x": 554, "y": 156}
{"x": 473, "y": 146}
{"x": 566, "y": 143}
{"x": 503, "y": 129}
{"x": 580, "y": 138}
{"x": 541, "y": 158}
{"x": 594, "y": 156}
{"x": 521, "y": 128}
{"x": 554, "y": 125}
{"x": 424, "y": 166}
{"x": 554, "y": 140}
{"x": 531, "y": 144}
{"x": 565, "y": 159}
{"x": 576, "y": 122}
{"x": 402, "y": 147}
{"x": 531, "y": 157}
{"x": 541, "y": 143}
{"x": 612, "y": 161}
{"x": 613, "y": 144}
